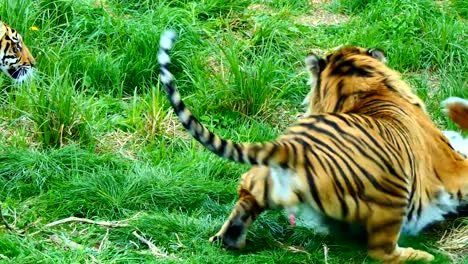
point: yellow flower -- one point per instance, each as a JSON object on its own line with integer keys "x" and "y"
{"x": 34, "y": 28}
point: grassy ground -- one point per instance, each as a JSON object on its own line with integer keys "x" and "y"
{"x": 93, "y": 136}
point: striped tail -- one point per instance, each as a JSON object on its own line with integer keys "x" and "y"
{"x": 256, "y": 153}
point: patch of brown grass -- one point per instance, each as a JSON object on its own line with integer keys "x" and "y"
{"x": 318, "y": 16}
{"x": 127, "y": 143}
{"x": 260, "y": 8}
{"x": 454, "y": 242}
{"x": 321, "y": 17}
{"x": 19, "y": 130}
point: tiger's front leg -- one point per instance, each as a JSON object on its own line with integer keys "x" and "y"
{"x": 253, "y": 195}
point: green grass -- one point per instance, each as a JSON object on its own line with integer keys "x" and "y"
{"x": 93, "y": 136}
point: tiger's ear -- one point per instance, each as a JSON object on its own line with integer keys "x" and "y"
{"x": 378, "y": 54}
{"x": 2, "y": 29}
{"x": 314, "y": 63}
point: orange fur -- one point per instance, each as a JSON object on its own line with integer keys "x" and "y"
{"x": 448, "y": 166}
{"x": 368, "y": 154}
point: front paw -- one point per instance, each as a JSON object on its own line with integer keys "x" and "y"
{"x": 231, "y": 236}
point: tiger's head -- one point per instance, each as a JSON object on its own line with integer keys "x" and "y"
{"x": 15, "y": 59}
{"x": 344, "y": 77}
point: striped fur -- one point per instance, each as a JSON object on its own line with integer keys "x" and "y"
{"x": 368, "y": 154}
{"x": 15, "y": 59}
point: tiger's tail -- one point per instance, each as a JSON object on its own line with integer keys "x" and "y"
{"x": 457, "y": 109}
{"x": 255, "y": 153}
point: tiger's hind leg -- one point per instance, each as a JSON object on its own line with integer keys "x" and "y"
{"x": 251, "y": 203}
{"x": 383, "y": 230}
{"x": 457, "y": 109}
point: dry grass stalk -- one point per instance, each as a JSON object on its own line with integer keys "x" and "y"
{"x": 155, "y": 251}
{"x": 293, "y": 249}
{"x": 89, "y": 221}
{"x": 325, "y": 253}
{"x": 65, "y": 242}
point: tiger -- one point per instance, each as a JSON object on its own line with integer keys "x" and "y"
{"x": 369, "y": 156}
{"x": 16, "y": 60}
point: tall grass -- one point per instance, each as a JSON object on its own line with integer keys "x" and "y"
{"x": 92, "y": 135}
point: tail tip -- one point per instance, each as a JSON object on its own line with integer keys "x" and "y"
{"x": 454, "y": 101}
{"x": 167, "y": 39}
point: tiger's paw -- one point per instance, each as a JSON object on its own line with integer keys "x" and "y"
{"x": 401, "y": 255}
{"x": 411, "y": 254}
{"x": 231, "y": 236}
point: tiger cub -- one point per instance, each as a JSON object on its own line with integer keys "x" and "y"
{"x": 15, "y": 59}
{"x": 369, "y": 156}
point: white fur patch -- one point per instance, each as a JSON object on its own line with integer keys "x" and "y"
{"x": 457, "y": 141}
{"x": 285, "y": 183}
{"x": 312, "y": 63}
{"x": 166, "y": 76}
{"x": 432, "y": 213}
{"x": 453, "y": 100}
{"x": 167, "y": 39}
{"x": 163, "y": 58}
{"x": 306, "y": 100}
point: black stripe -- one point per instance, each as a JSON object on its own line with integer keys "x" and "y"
{"x": 395, "y": 184}
{"x": 310, "y": 177}
{"x": 343, "y": 133}
{"x": 313, "y": 186}
{"x": 331, "y": 154}
{"x": 389, "y": 166}
{"x": 273, "y": 151}
{"x": 222, "y": 146}
{"x": 420, "y": 207}
{"x": 349, "y": 68}
{"x": 387, "y": 246}
{"x": 266, "y": 187}
{"x": 385, "y": 225}
{"x": 294, "y": 154}
{"x": 238, "y": 149}
{"x": 252, "y": 159}
{"x": 342, "y": 98}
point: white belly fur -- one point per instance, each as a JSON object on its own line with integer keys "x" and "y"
{"x": 286, "y": 183}
{"x": 434, "y": 212}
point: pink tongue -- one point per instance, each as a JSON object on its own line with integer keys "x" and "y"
{"x": 292, "y": 219}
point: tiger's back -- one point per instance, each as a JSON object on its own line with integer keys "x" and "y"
{"x": 16, "y": 60}
{"x": 366, "y": 157}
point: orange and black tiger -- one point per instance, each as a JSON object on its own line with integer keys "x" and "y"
{"x": 15, "y": 59}
{"x": 368, "y": 154}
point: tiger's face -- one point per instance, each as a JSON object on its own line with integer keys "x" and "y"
{"x": 352, "y": 74}
{"x": 15, "y": 59}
